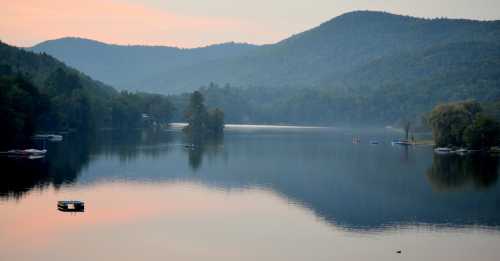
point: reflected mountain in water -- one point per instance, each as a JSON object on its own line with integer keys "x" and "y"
{"x": 356, "y": 187}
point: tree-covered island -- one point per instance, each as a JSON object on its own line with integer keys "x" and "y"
{"x": 202, "y": 123}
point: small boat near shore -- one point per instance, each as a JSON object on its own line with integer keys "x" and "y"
{"x": 401, "y": 142}
{"x": 443, "y": 150}
{"x": 27, "y": 153}
{"x": 48, "y": 137}
{"x": 462, "y": 151}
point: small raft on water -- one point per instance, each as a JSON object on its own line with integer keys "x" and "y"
{"x": 71, "y": 206}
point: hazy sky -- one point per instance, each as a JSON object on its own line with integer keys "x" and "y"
{"x": 191, "y": 23}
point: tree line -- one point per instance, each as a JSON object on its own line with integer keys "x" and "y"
{"x": 64, "y": 105}
{"x": 202, "y": 123}
{"x": 392, "y": 104}
{"x": 464, "y": 124}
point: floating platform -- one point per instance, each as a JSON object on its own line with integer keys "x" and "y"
{"x": 71, "y": 206}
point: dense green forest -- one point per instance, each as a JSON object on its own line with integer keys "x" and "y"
{"x": 39, "y": 93}
{"x": 390, "y": 105}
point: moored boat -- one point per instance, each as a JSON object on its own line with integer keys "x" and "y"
{"x": 443, "y": 150}
{"x": 462, "y": 151}
{"x": 26, "y": 152}
{"x": 401, "y": 142}
{"x": 48, "y": 137}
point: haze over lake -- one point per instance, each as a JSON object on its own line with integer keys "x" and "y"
{"x": 256, "y": 194}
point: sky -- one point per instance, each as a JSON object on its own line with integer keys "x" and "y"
{"x": 194, "y": 23}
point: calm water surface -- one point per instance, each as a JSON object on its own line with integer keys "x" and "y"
{"x": 257, "y": 194}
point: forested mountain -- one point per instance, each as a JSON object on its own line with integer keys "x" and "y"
{"x": 360, "y": 67}
{"x": 330, "y": 54}
{"x": 40, "y": 93}
{"x": 127, "y": 67}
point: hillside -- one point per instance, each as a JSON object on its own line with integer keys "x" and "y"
{"x": 125, "y": 67}
{"x": 39, "y": 67}
{"x": 40, "y": 93}
{"x": 361, "y": 67}
{"x": 330, "y": 53}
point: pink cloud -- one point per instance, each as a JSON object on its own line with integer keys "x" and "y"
{"x": 27, "y": 22}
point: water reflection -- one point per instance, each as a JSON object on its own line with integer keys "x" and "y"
{"x": 354, "y": 187}
{"x": 61, "y": 166}
{"x": 210, "y": 147}
{"x": 66, "y": 160}
{"x": 128, "y": 145}
{"x": 451, "y": 172}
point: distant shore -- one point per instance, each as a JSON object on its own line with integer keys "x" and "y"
{"x": 176, "y": 125}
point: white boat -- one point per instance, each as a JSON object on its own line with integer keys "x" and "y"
{"x": 49, "y": 137}
{"x": 443, "y": 150}
{"x": 27, "y": 152}
{"x": 31, "y": 154}
{"x": 401, "y": 142}
{"x": 462, "y": 151}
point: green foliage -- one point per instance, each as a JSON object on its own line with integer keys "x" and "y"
{"x": 482, "y": 133}
{"x": 215, "y": 121}
{"x": 196, "y": 114}
{"x": 297, "y": 106}
{"x": 157, "y": 106}
{"x": 135, "y": 110}
{"x": 20, "y": 105}
{"x": 202, "y": 123}
{"x": 463, "y": 124}
{"x": 40, "y": 93}
{"x": 125, "y": 112}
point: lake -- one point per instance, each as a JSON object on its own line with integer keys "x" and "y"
{"x": 258, "y": 193}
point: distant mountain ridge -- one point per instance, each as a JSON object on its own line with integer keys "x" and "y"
{"x": 336, "y": 54}
{"x": 39, "y": 68}
{"x": 124, "y": 66}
